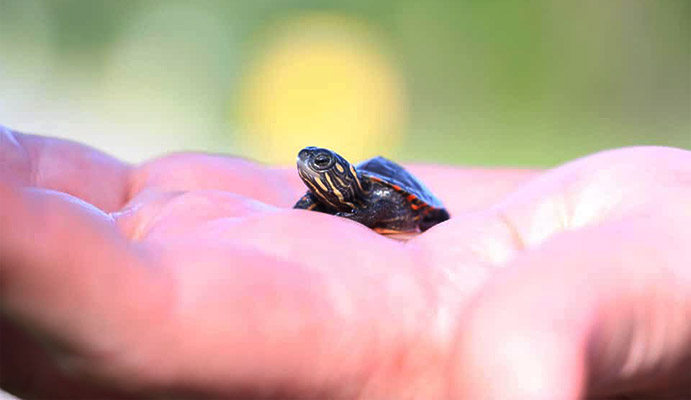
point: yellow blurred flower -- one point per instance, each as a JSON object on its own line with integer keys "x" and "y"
{"x": 322, "y": 81}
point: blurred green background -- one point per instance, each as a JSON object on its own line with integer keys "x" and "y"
{"x": 465, "y": 82}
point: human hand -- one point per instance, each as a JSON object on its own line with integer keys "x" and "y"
{"x": 189, "y": 276}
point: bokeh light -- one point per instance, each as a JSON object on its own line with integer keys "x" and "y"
{"x": 322, "y": 80}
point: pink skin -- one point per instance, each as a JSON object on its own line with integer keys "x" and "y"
{"x": 191, "y": 275}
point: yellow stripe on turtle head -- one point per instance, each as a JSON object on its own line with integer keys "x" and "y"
{"x": 338, "y": 192}
{"x": 357, "y": 179}
{"x": 321, "y": 183}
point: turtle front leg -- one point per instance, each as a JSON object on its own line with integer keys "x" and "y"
{"x": 309, "y": 202}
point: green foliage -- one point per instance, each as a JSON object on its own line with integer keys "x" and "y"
{"x": 531, "y": 82}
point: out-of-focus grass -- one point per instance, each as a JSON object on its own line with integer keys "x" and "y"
{"x": 466, "y": 82}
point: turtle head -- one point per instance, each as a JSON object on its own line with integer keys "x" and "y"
{"x": 332, "y": 179}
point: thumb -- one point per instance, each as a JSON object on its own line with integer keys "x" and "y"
{"x": 69, "y": 276}
{"x": 592, "y": 312}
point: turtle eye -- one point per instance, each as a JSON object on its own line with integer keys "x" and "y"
{"x": 322, "y": 161}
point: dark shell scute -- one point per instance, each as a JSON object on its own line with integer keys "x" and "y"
{"x": 392, "y": 174}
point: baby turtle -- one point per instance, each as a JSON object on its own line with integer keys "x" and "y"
{"x": 377, "y": 193}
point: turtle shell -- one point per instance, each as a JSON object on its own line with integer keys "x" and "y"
{"x": 392, "y": 174}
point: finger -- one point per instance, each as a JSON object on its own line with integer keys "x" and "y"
{"x": 169, "y": 214}
{"x": 103, "y": 181}
{"x": 599, "y": 188}
{"x": 559, "y": 318}
{"x": 596, "y": 189}
{"x": 460, "y": 189}
{"x": 15, "y": 163}
{"x": 68, "y": 276}
{"x": 196, "y": 171}
{"x": 464, "y": 190}
{"x": 64, "y": 166}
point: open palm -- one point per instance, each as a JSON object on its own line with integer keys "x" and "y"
{"x": 191, "y": 275}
